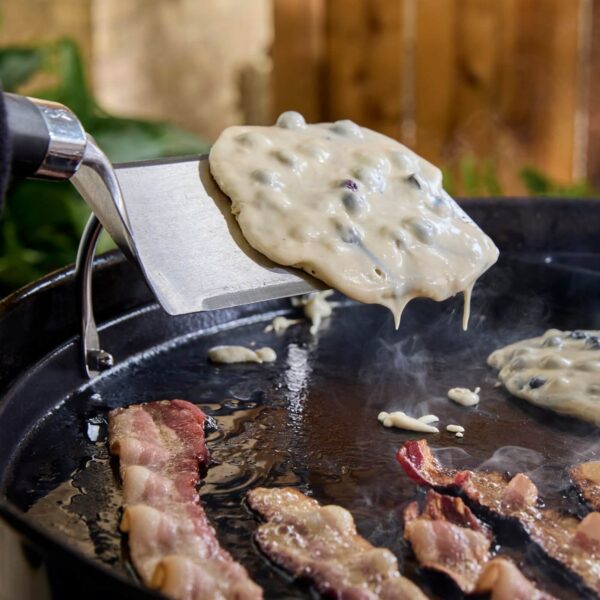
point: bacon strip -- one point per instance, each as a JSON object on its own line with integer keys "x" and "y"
{"x": 503, "y": 581}
{"x": 563, "y": 538}
{"x": 321, "y": 544}
{"x": 586, "y": 478}
{"x": 447, "y": 537}
{"x": 172, "y": 545}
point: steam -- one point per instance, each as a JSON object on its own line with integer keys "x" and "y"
{"x": 549, "y": 477}
{"x": 513, "y": 459}
{"x": 414, "y": 360}
{"x": 453, "y": 457}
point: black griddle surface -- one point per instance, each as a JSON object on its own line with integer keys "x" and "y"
{"x": 309, "y": 420}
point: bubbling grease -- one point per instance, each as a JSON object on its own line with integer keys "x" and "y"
{"x": 352, "y": 207}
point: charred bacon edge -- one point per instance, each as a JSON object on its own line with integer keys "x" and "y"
{"x": 454, "y": 512}
{"x": 422, "y": 467}
{"x": 588, "y": 490}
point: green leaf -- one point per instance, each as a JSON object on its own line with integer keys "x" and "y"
{"x": 471, "y": 180}
{"x": 127, "y": 139}
{"x": 43, "y": 221}
{"x": 535, "y": 182}
{"x": 539, "y": 184}
{"x": 72, "y": 89}
{"x": 448, "y": 181}
{"x": 18, "y": 65}
{"x": 490, "y": 179}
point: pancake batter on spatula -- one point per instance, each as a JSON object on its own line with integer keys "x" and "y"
{"x": 352, "y": 207}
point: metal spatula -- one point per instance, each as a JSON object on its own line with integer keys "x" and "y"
{"x": 167, "y": 215}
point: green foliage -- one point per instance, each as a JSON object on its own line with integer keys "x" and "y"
{"x": 537, "y": 184}
{"x": 17, "y": 65}
{"x": 474, "y": 178}
{"x": 480, "y": 178}
{"x": 43, "y": 220}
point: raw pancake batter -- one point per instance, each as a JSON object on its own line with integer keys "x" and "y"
{"x": 240, "y": 354}
{"x": 559, "y": 370}
{"x": 354, "y": 208}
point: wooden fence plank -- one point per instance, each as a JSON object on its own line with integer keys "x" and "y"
{"x": 297, "y": 53}
{"x": 549, "y": 82}
{"x": 434, "y": 77}
{"x": 593, "y": 142}
{"x": 364, "y": 63}
{"x": 508, "y": 76}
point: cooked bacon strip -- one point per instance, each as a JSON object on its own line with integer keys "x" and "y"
{"x": 321, "y": 544}
{"x": 448, "y": 537}
{"x": 519, "y": 493}
{"x": 503, "y": 581}
{"x": 587, "y": 535}
{"x": 554, "y": 532}
{"x": 172, "y": 545}
{"x": 586, "y": 478}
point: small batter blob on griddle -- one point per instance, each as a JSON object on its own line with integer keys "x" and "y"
{"x": 352, "y": 207}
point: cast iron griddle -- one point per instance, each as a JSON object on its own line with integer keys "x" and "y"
{"x": 309, "y": 420}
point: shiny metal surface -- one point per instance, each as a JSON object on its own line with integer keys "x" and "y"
{"x": 175, "y": 223}
{"x": 188, "y": 244}
{"x": 67, "y": 140}
{"x": 170, "y": 218}
{"x": 98, "y": 185}
{"x": 94, "y": 360}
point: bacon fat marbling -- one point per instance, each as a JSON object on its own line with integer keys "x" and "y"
{"x": 173, "y": 547}
{"x": 321, "y": 543}
{"x": 562, "y": 537}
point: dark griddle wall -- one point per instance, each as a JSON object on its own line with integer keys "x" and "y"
{"x": 309, "y": 419}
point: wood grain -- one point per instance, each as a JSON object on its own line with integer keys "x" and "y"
{"x": 501, "y": 81}
{"x": 364, "y": 63}
{"x": 593, "y": 103}
{"x": 508, "y": 77}
{"x": 298, "y": 55}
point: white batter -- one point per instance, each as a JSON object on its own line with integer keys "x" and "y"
{"x": 352, "y": 207}
{"x": 464, "y": 396}
{"x": 452, "y": 428}
{"x": 559, "y": 370}
{"x": 281, "y": 324}
{"x": 241, "y": 354}
{"x": 316, "y": 308}
{"x": 401, "y": 420}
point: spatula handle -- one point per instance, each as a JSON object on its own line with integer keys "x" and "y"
{"x": 47, "y": 140}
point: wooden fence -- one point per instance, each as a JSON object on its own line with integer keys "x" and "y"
{"x": 502, "y": 83}
{"x": 489, "y": 84}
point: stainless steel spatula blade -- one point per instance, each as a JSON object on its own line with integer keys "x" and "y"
{"x": 189, "y": 245}
{"x": 169, "y": 216}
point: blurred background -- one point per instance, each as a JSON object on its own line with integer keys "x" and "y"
{"x": 502, "y": 94}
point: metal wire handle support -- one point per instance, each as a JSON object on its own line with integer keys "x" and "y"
{"x": 94, "y": 360}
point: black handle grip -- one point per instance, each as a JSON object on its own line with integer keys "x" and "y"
{"x": 28, "y": 134}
